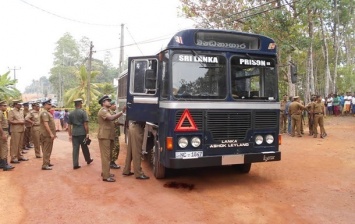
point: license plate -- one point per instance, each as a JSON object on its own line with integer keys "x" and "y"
{"x": 188, "y": 155}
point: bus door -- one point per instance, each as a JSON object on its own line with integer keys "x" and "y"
{"x": 142, "y": 91}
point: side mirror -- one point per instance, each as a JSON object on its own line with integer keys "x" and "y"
{"x": 293, "y": 73}
{"x": 150, "y": 82}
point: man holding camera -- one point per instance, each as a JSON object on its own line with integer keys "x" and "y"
{"x": 78, "y": 130}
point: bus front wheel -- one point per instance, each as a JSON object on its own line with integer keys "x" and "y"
{"x": 158, "y": 168}
{"x": 243, "y": 168}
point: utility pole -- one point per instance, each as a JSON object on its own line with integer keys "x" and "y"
{"x": 121, "y": 49}
{"x": 89, "y": 78}
{"x": 14, "y": 69}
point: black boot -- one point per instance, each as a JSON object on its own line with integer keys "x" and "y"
{"x": 113, "y": 165}
{"x": 2, "y": 163}
{"x": 6, "y": 167}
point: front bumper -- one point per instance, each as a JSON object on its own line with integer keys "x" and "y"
{"x": 225, "y": 160}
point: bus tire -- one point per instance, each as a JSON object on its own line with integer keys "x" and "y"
{"x": 243, "y": 168}
{"x": 158, "y": 168}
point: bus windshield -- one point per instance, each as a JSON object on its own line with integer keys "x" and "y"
{"x": 199, "y": 76}
{"x": 253, "y": 78}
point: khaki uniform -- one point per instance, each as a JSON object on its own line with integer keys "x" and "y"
{"x": 318, "y": 111}
{"x": 295, "y": 110}
{"x": 4, "y": 149}
{"x": 134, "y": 148}
{"x": 302, "y": 118}
{"x": 283, "y": 116}
{"x": 27, "y": 133}
{"x": 33, "y": 115}
{"x": 45, "y": 137}
{"x": 17, "y": 131}
{"x": 115, "y": 151}
{"x": 310, "y": 117}
{"x": 106, "y": 136}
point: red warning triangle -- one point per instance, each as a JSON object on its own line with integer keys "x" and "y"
{"x": 186, "y": 115}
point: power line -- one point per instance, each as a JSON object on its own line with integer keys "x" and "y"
{"x": 134, "y": 40}
{"x": 268, "y": 10}
{"x": 250, "y": 9}
{"x": 135, "y": 43}
{"x": 69, "y": 19}
{"x": 250, "y": 15}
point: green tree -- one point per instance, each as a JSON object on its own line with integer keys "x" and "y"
{"x": 66, "y": 60}
{"x": 317, "y": 35}
{"x": 41, "y": 86}
{"x": 7, "y": 88}
{"x": 81, "y": 90}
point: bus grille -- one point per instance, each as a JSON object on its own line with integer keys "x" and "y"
{"x": 228, "y": 125}
{"x": 265, "y": 119}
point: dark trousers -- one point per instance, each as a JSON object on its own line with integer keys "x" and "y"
{"x": 77, "y": 142}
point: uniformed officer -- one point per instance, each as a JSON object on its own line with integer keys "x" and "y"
{"x": 27, "y": 133}
{"x": 106, "y": 135}
{"x": 302, "y": 116}
{"x": 295, "y": 110}
{"x": 33, "y": 119}
{"x": 115, "y": 151}
{"x": 134, "y": 150}
{"x": 17, "y": 121}
{"x": 78, "y": 131}
{"x": 318, "y": 110}
{"x": 283, "y": 115}
{"x": 4, "y": 150}
{"x": 47, "y": 134}
{"x": 310, "y": 115}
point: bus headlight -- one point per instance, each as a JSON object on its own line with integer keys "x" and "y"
{"x": 269, "y": 139}
{"x": 259, "y": 139}
{"x": 195, "y": 142}
{"x": 183, "y": 142}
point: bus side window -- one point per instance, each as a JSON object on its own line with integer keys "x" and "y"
{"x": 139, "y": 72}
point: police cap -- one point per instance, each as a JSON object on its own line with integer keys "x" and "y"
{"x": 102, "y": 99}
{"x": 78, "y": 100}
{"x": 113, "y": 102}
{"x": 296, "y": 97}
{"x": 46, "y": 102}
{"x": 3, "y": 103}
{"x": 26, "y": 104}
{"x": 16, "y": 102}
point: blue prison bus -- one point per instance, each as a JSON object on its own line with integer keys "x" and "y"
{"x": 210, "y": 98}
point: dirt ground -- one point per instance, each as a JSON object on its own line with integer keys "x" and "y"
{"x": 313, "y": 183}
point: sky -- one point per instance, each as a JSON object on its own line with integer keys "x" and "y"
{"x": 31, "y": 28}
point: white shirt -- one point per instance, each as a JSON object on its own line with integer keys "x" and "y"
{"x": 348, "y": 98}
{"x": 330, "y": 102}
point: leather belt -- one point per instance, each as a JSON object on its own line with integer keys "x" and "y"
{"x": 318, "y": 113}
{"x": 5, "y": 129}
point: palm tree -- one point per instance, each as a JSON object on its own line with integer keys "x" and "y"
{"x": 7, "y": 87}
{"x": 81, "y": 90}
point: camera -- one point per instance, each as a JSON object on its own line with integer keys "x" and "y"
{"x": 87, "y": 141}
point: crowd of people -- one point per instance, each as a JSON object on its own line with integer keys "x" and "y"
{"x": 38, "y": 128}
{"x": 342, "y": 104}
